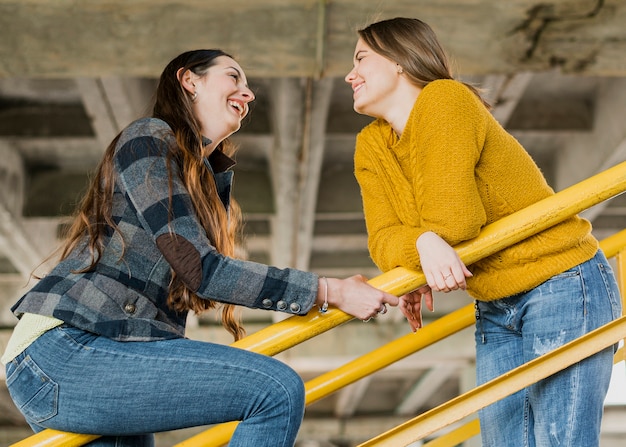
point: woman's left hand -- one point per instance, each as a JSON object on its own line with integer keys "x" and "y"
{"x": 442, "y": 266}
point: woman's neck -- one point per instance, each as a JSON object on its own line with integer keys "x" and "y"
{"x": 399, "y": 114}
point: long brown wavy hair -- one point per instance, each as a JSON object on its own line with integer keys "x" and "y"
{"x": 413, "y": 45}
{"x": 94, "y": 214}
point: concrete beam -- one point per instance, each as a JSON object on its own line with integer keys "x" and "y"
{"x": 12, "y": 179}
{"x": 16, "y": 244}
{"x": 64, "y": 153}
{"x": 603, "y": 147}
{"x": 590, "y": 152}
{"x": 350, "y": 397}
{"x": 300, "y": 38}
{"x": 113, "y": 102}
{"x": 507, "y": 97}
{"x": 425, "y": 388}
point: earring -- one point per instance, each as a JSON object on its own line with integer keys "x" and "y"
{"x": 400, "y": 70}
{"x": 194, "y": 96}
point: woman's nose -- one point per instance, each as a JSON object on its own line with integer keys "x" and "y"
{"x": 248, "y": 95}
{"x": 350, "y": 76}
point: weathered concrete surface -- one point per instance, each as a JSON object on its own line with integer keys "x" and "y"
{"x": 70, "y": 38}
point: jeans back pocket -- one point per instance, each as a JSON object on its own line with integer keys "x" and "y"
{"x": 32, "y": 391}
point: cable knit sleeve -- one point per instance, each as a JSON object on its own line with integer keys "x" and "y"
{"x": 449, "y": 131}
{"x": 391, "y": 242}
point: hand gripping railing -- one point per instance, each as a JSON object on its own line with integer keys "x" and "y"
{"x": 613, "y": 247}
{"x": 367, "y": 364}
{"x": 295, "y": 330}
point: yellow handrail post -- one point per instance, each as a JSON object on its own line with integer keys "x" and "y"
{"x": 399, "y": 281}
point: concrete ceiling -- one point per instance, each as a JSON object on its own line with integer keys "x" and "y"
{"x": 74, "y": 73}
{"x": 309, "y": 38}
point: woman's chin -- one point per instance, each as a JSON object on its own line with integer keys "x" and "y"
{"x": 361, "y": 110}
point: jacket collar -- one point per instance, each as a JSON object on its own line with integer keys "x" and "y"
{"x": 218, "y": 160}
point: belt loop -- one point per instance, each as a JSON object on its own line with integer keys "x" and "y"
{"x": 480, "y": 321}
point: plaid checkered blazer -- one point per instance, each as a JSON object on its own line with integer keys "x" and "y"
{"x": 124, "y": 297}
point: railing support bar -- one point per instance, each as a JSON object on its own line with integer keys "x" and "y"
{"x": 456, "y": 436}
{"x": 502, "y": 386}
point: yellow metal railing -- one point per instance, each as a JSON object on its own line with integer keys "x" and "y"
{"x": 457, "y": 436}
{"x": 500, "y": 387}
{"x": 295, "y": 330}
{"x": 614, "y": 247}
{"x": 493, "y": 238}
{"x": 472, "y": 428}
{"x": 373, "y": 361}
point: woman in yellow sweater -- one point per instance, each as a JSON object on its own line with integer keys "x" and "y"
{"x": 434, "y": 168}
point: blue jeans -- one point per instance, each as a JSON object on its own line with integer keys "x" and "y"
{"x": 72, "y": 380}
{"x": 565, "y": 409}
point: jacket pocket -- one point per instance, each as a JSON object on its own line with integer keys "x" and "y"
{"x": 33, "y": 392}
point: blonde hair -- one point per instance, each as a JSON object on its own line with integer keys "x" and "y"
{"x": 413, "y": 45}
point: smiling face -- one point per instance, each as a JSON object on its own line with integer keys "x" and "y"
{"x": 222, "y": 98}
{"x": 374, "y": 81}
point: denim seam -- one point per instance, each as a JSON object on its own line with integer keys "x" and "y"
{"x": 575, "y": 404}
{"x": 526, "y": 418}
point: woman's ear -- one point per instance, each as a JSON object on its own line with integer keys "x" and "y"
{"x": 186, "y": 78}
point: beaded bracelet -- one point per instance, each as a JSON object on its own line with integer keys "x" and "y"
{"x": 324, "y": 307}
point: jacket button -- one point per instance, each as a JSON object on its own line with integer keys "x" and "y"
{"x": 281, "y": 305}
{"x": 294, "y": 307}
{"x": 130, "y": 308}
{"x": 267, "y": 303}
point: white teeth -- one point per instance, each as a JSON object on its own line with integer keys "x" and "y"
{"x": 236, "y": 105}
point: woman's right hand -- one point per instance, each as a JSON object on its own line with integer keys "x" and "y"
{"x": 411, "y": 306}
{"x": 441, "y": 264}
{"x": 355, "y": 296}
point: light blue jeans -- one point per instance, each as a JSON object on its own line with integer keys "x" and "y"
{"x": 72, "y": 380}
{"x": 565, "y": 409}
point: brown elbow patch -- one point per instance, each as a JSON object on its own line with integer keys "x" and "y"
{"x": 183, "y": 257}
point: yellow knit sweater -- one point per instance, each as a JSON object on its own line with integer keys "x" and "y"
{"x": 453, "y": 171}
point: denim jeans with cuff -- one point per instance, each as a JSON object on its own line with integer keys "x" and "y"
{"x": 72, "y": 380}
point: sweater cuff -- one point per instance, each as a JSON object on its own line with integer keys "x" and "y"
{"x": 409, "y": 250}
